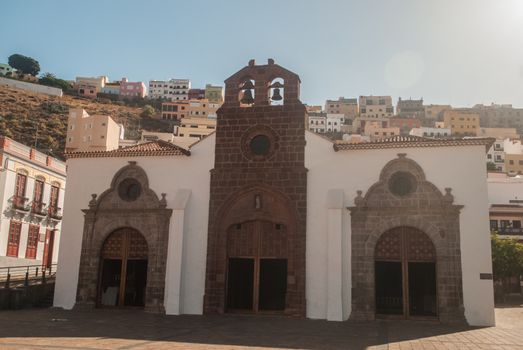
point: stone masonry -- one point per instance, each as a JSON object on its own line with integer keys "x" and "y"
{"x": 107, "y": 213}
{"x": 246, "y": 186}
{"x": 425, "y": 209}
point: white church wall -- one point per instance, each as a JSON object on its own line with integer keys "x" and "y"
{"x": 197, "y": 218}
{"x": 461, "y": 168}
{"x": 166, "y": 175}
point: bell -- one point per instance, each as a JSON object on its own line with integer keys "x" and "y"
{"x": 276, "y": 95}
{"x": 247, "y": 98}
{"x": 247, "y": 85}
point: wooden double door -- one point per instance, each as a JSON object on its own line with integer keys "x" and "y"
{"x": 257, "y": 265}
{"x": 405, "y": 274}
{"x": 123, "y": 271}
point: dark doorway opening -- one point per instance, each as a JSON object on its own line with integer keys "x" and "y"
{"x": 240, "y": 284}
{"x": 135, "y": 281}
{"x": 273, "y": 284}
{"x": 110, "y": 284}
{"x": 257, "y": 267}
{"x": 405, "y": 274}
{"x": 422, "y": 289}
{"x": 389, "y": 288}
{"x": 123, "y": 270}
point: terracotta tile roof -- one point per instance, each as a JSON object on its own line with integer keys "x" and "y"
{"x": 415, "y": 141}
{"x": 152, "y": 148}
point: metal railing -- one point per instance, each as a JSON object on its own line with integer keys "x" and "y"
{"x": 510, "y": 231}
{"x": 20, "y": 203}
{"x": 18, "y": 276}
{"x": 54, "y": 212}
{"x": 38, "y": 207}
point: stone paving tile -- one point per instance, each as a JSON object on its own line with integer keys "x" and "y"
{"x": 54, "y": 329}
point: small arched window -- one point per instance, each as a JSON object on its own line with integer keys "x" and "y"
{"x": 276, "y": 92}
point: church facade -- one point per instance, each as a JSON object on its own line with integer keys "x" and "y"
{"x": 264, "y": 217}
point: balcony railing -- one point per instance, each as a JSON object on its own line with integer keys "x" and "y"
{"x": 510, "y": 231}
{"x": 55, "y": 213}
{"x": 38, "y": 208}
{"x": 20, "y": 203}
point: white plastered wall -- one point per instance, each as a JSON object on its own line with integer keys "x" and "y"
{"x": 339, "y": 173}
{"x": 185, "y": 285}
{"x": 460, "y": 168}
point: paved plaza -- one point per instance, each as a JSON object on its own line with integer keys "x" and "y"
{"x": 134, "y": 329}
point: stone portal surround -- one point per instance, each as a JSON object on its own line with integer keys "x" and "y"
{"x": 278, "y": 177}
{"x": 109, "y": 212}
{"x": 426, "y": 209}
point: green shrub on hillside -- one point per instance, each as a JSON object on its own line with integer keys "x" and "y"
{"x": 50, "y": 79}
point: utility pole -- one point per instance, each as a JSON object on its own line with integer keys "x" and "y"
{"x": 36, "y": 136}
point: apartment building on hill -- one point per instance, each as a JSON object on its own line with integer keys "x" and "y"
{"x": 178, "y": 110}
{"x": 346, "y": 106}
{"x": 461, "y": 122}
{"x": 410, "y": 108}
{"x": 173, "y": 90}
{"x": 91, "y": 132}
{"x": 375, "y": 107}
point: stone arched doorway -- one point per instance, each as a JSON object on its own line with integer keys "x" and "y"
{"x": 401, "y": 198}
{"x": 405, "y": 274}
{"x": 255, "y": 259}
{"x": 257, "y": 264}
{"x": 130, "y": 205}
{"x": 123, "y": 269}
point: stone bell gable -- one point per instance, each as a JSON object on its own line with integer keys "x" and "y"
{"x": 261, "y": 76}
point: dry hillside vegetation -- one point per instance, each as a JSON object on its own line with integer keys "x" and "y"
{"x": 27, "y": 116}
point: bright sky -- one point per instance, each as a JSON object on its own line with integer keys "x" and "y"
{"x": 446, "y": 51}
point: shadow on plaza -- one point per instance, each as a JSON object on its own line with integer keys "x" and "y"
{"x": 232, "y": 330}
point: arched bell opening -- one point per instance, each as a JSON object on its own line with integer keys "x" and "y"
{"x": 123, "y": 269}
{"x": 246, "y": 92}
{"x": 405, "y": 274}
{"x": 257, "y": 267}
{"x": 276, "y": 92}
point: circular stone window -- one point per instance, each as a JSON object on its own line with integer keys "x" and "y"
{"x": 260, "y": 145}
{"x": 129, "y": 190}
{"x": 402, "y": 183}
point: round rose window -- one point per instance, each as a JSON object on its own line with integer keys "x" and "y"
{"x": 402, "y": 183}
{"x": 129, "y": 190}
{"x": 260, "y": 145}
